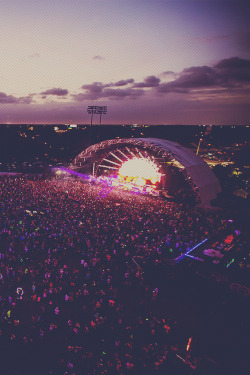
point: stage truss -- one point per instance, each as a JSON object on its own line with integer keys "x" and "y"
{"x": 112, "y": 153}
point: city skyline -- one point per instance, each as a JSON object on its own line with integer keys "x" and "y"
{"x": 161, "y": 62}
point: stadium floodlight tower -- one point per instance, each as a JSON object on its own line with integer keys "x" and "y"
{"x": 94, "y": 109}
{"x": 91, "y": 110}
{"x": 99, "y": 110}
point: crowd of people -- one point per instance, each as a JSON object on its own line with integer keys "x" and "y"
{"x": 67, "y": 271}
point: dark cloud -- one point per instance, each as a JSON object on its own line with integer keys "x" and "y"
{"x": 233, "y": 63}
{"x": 98, "y": 90}
{"x": 124, "y": 82}
{"x": 55, "y": 91}
{"x": 7, "y": 99}
{"x": 150, "y": 81}
{"x": 233, "y": 72}
{"x": 92, "y": 91}
{"x": 196, "y": 76}
{"x": 10, "y": 99}
{"x": 95, "y": 89}
{"x": 122, "y": 93}
{"x": 234, "y": 69}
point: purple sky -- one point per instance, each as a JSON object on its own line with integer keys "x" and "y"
{"x": 150, "y": 62}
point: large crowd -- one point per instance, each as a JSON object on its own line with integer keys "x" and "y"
{"x": 66, "y": 270}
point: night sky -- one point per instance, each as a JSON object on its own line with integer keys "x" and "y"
{"x": 149, "y": 61}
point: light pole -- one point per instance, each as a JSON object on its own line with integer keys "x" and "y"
{"x": 91, "y": 110}
{"x": 101, "y": 111}
{"x": 94, "y": 109}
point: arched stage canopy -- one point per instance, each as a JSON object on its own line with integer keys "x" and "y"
{"x": 200, "y": 177}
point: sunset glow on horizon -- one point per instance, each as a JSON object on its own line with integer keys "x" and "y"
{"x": 169, "y": 62}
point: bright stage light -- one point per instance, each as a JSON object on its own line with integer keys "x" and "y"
{"x": 138, "y": 170}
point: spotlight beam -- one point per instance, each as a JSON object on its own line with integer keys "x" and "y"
{"x": 123, "y": 154}
{"x": 107, "y": 166}
{"x": 112, "y": 162}
{"x": 141, "y": 154}
{"x": 130, "y": 152}
{"x": 116, "y": 157}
